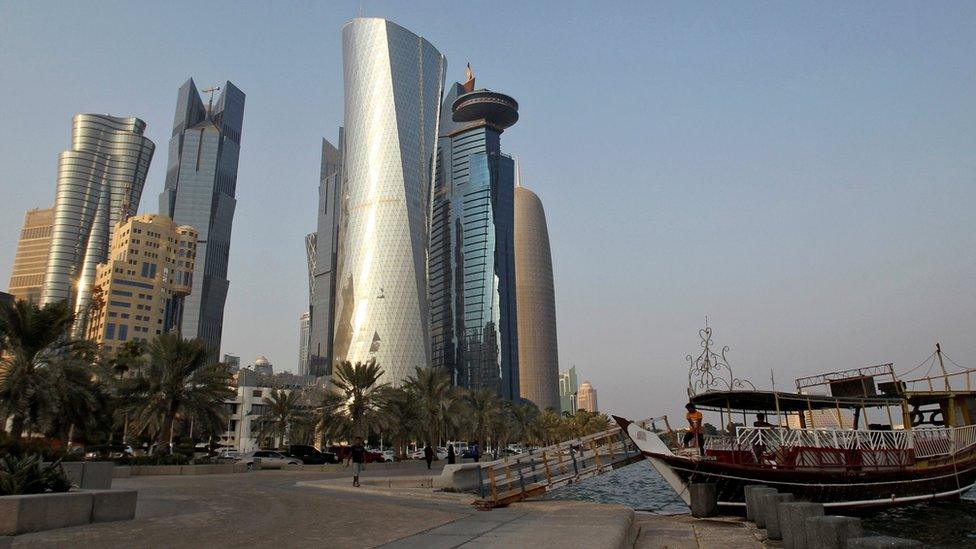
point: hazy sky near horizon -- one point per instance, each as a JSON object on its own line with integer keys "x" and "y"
{"x": 802, "y": 174}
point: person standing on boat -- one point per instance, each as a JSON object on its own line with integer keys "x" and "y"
{"x": 695, "y": 433}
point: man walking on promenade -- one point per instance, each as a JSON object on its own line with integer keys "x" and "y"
{"x": 428, "y": 455}
{"x": 357, "y": 454}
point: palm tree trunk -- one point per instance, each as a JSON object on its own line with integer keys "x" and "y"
{"x": 17, "y": 427}
{"x": 165, "y": 433}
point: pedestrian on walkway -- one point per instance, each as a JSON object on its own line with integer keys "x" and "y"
{"x": 428, "y": 455}
{"x": 475, "y": 452}
{"x": 357, "y": 455}
{"x": 451, "y": 456}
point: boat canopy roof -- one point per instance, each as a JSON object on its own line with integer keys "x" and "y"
{"x": 770, "y": 401}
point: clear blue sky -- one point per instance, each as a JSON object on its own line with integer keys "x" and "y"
{"x": 805, "y": 175}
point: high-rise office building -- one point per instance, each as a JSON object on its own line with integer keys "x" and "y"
{"x": 303, "y": 324}
{"x": 100, "y": 181}
{"x": 139, "y": 292}
{"x": 33, "y": 248}
{"x": 322, "y": 252}
{"x": 472, "y": 246}
{"x": 586, "y": 399}
{"x": 393, "y": 83}
{"x": 201, "y": 182}
{"x": 538, "y": 352}
{"x": 568, "y": 386}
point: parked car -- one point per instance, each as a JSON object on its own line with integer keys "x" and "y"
{"x": 228, "y": 453}
{"x": 269, "y": 459}
{"x": 310, "y": 456}
{"x": 342, "y": 453}
{"x": 388, "y": 455}
{"x": 108, "y": 451}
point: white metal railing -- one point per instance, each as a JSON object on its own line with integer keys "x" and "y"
{"x": 923, "y": 443}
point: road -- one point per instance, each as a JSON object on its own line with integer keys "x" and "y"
{"x": 264, "y": 507}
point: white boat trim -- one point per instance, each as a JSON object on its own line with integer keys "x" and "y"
{"x": 873, "y": 502}
{"x": 838, "y": 484}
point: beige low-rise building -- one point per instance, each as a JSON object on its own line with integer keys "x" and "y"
{"x": 30, "y": 263}
{"x": 139, "y": 291}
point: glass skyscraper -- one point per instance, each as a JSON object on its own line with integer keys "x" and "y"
{"x": 393, "y": 83}
{"x": 472, "y": 246}
{"x": 321, "y": 248}
{"x": 100, "y": 181}
{"x": 201, "y": 181}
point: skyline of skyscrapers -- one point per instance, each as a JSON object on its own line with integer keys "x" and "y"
{"x": 413, "y": 261}
{"x": 201, "y": 183}
{"x": 393, "y": 81}
{"x": 100, "y": 182}
{"x": 472, "y": 256}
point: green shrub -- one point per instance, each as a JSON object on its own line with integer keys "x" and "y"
{"x": 28, "y": 475}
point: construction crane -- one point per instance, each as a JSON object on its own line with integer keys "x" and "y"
{"x": 210, "y": 91}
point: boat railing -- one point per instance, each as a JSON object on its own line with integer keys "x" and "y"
{"x": 877, "y": 447}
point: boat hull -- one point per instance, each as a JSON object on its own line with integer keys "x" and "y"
{"x": 837, "y": 488}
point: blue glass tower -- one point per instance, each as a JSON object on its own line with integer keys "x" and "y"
{"x": 201, "y": 181}
{"x": 472, "y": 249}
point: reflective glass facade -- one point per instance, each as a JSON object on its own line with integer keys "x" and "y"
{"x": 201, "y": 181}
{"x": 393, "y": 81}
{"x": 100, "y": 181}
{"x": 322, "y": 257}
{"x": 472, "y": 251}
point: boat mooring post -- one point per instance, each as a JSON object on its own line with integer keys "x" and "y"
{"x": 760, "y": 513}
{"x": 792, "y": 522}
{"x": 832, "y": 531}
{"x": 704, "y": 499}
{"x": 769, "y": 502}
{"x": 750, "y": 493}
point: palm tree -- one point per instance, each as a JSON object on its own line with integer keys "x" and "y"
{"x": 404, "y": 418}
{"x": 34, "y": 345}
{"x": 550, "y": 426}
{"x": 432, "y": 389}
{"x": 485, "y": 408}
{"x": 281, "y": 414}
{"x": 353, "y": 407}
{"x": 177, "y": 383}
{"x": 524, "y": 417}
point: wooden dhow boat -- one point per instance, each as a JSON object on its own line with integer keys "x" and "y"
{"x": 873, "y": 440}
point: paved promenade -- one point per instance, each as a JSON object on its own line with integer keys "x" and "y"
{"x": 686, "y": 532}
{"x": 315, "y": 509}
{"x": 264, "y": 507}
{"x": 395, "y": 509}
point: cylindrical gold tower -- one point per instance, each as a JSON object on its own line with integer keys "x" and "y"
{"x": 536, "y": 303}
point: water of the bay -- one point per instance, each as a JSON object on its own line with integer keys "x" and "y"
{"x": 940, "y": 525}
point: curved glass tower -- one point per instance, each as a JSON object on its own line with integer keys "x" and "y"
{"x": 100, "y": 181}
{"x": 393, "y": 81}
{"x": 538, "y": 353}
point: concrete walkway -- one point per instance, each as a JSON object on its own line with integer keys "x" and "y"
{"x": 539, "y": 525}
{"x": 687, "y": 532}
